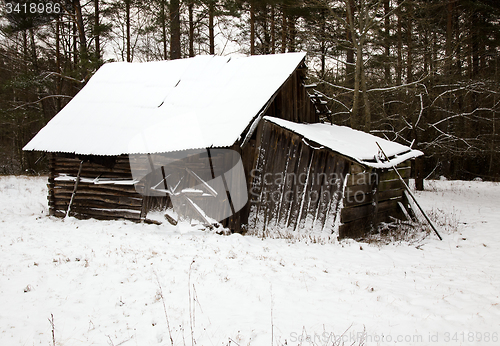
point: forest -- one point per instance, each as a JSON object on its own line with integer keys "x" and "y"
{"x": 420, "y": 72}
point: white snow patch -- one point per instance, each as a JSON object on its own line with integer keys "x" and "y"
{"x": 105, "y": 281}
{"x": 358, "y": 145}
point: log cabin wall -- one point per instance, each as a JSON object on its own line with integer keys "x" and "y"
{"x": 292, "y": 102}
{"x": 99, "y": 201}
{"x": 295, "y": 185}
{"x": 371, "y": 196}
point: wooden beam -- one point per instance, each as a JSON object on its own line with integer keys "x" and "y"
{"x": 74, "y": 190}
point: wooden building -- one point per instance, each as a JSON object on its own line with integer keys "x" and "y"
{"x": 325, "y": 178}
{"x": 115, "y": 148}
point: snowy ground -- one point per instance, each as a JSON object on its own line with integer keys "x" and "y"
{"x": 117, "y": 283}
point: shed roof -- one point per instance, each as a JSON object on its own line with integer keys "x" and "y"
{"x": 357, "y": 145}
{"x": 137, "y": 108}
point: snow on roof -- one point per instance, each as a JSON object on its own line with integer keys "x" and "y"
{"x": 357, "y": 145}
{"x": 153, "y": 107}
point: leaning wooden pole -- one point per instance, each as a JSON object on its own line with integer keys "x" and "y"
{"x": 74, "y": 189}
{"x": 411, "y": 194}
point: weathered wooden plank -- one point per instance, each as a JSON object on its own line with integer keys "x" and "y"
{"x": 290, "y": 180}
{"x": 88, "y": 203}
{"x": 391, "y": 174}
{"x": 127, "y": 201}
{"x": 390, "y": 185}
{"x": 97, "y": 187}
{"x": 98, "y": 192}
{"x": 378, "y": 175}
{"x": 366, "y": 178}
{"x": 389, "y": 194}
{"x": 278, "y": 190}
{"x": 275, "y": 166}
{"x": 256, "y": 176}
{"x": 267, "y": 202}
{"x": 358, "y": 212}
{"x": 356, "y": 168}
{"x": 106, "y": 214}
{"x": 97, "y": 216}
{"x": 317, "y": 181}
{"x": 360, "y": 198}
{"x": 92, "y": 169}
{"x": 351, "y": 192}
{"x": 341, "y": 168}
{"x": 298, "y": 214}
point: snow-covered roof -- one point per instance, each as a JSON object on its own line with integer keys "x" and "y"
{"x": 357, "y": 145}
{"x": 137, "y": 108}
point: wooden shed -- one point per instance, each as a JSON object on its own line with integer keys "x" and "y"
{"x": 325, "y": 178}
{"x": 115, "y": 148}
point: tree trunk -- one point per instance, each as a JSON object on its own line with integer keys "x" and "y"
{"x": 387, "y": 45}
{"x": 191, "y": 28}
{"x": 409, "y": 59}
{"x": 127, "y": 24}
{"x": 356, "y": 122}
{"x": 449, "y": 36}
{"x": 163, "y": 19}
{"x": 284, "y": 27}
{"x": 97, "y": 33}
{"x": 273, "y": 31}
{"x": 175, "y": 30}
{"x": 323, "y": 42}
{"x": 350, "y": 66}
{"x": 367, "y": 111}
{"x": 84, "y": 57}
{"x": 292, "y": 33}
{"x": 58, "y": 65}
{"x": 266, "y": 45}
{"x": 419, "y": 174}
{"x": 75, "y": 46}
{"x": 252, "y": 28}
{"x": 475, "y": 44}
{"x": 399, "y": 64}
{"x": 211, "y": 33}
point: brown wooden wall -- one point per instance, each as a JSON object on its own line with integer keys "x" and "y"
{"x": 371, "y": 196}
{"x": 293, "y": 186}
{"x": 100, "y": 201}
{"x": 292, "y": 101}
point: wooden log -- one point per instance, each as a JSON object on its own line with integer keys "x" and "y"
{"x": 64, "y": 168}
{"x": 104, "y": 214}
{"x": 107, "y": 188}
{"x": 78, "y": 204}
{"x": 58, "y": 191}
{"x": 116, "y": 200}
